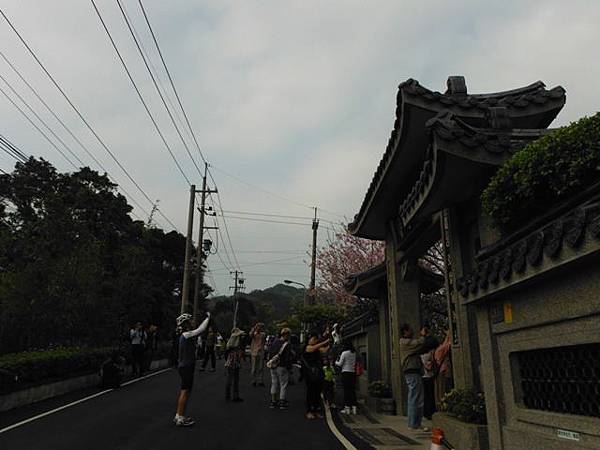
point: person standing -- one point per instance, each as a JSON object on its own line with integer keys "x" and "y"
{"x": 347, "y": 363}
{"x": 428, "y": 385}
{"x": 220, "y": 346}
{"x": 313, "y": 374}
{"x": 280, "y": 348}
{"x": 209, "y": 352}
{"x": 234, "y": 352}
{"x": 137, "y": 338}
{"x": 257, "y": 345}
{"x": 329, "y": 383}
{"x": 410, "y": 356}
{"x": 186, "y": 363}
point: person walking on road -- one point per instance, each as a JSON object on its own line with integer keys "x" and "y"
{"x": 234, "y": 352}
{"x": 347, "y": 363}
{"x": 209, "y": 352}
{"x": 186, "y": 363}
{"x": 138, "y": 338}
{"x": 313, "y": 374}
{"x": 410, "y": 356}
{"x": 281, "y": 358}
{"x": 257, "y": 346}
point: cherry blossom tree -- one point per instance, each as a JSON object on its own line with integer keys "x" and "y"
{"x": 344, "y": 255}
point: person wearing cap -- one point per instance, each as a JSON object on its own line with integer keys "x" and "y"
{"x": 233, "y": 361}
{"x": 186, "y": 363}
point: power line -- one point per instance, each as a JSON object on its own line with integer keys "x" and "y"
{"x": 137, "y": 44}
{"x": 218, "y": 198}
{"x": 83, "y": 119}
{"x": 37, "y": 128}
{"x": 13, "y": 148}
{"x": 187, "y": 121}
{"x": 114, "y": 45}
{"x": 68, "y": 130}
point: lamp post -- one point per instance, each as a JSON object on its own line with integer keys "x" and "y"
{"x": 303, "y": 325}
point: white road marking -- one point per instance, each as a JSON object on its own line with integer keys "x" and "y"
{"x": 340, "y": 437}
{"x": 68, "y": 405}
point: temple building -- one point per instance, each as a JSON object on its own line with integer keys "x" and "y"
{"x": 505, "y": 314}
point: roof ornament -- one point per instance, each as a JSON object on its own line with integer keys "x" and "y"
{"x": 456, "y": 86}
{"x": 498, "y": 118}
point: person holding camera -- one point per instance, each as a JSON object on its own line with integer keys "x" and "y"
{"x": 411, "y": 350}
{"x": 137, "y": 338}
{"x": 186, "y": 363}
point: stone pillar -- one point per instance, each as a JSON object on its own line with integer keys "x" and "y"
{"x": 465, "y": 348}
{"x": 492, "y": 384}
{"x": 403, "y": 301}
{"x": 384, "y": 339}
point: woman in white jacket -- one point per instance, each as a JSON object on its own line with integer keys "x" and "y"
{"x": 347, "y": 363}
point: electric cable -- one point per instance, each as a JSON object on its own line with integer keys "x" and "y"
{"x": 83, "y": 119}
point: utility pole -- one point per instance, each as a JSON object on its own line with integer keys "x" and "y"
{"x": 237, "y": 283}
{"x": 311, "y": 296}
{"x": 200, "y": 251}
{"x": 188, "y": 252}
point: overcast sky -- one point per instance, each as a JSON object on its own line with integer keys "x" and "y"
{"x": 294, "y": 98}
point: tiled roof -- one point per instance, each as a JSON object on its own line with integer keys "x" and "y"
{"x": 460, "y": 102}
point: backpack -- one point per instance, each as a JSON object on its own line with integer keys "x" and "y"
{"x": 276, "y": 360}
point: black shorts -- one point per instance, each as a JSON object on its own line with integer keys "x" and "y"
{"x": 187, "y": 377}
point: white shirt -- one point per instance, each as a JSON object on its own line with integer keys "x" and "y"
{"x": 347, "y": 361}
{"x": 137, "y": 337}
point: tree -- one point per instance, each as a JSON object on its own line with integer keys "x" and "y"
{"x": 344, "y": 255}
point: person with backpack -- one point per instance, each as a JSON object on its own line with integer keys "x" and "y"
{"x": 281, "y": 357}
{"x": 186, "y": 363}
{"x": 347, "y": 363}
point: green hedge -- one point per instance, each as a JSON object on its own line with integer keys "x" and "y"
{"x": 543, "y": 173}
{"x": 466, "y": 405}
{"x": 36, "y": 367}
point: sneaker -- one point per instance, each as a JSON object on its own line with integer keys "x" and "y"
{"x": 238, "y": 399}
{"x": 273, "y": 404}
{"x": 346, "y": 410}
{"x": 202, "y": 369}
{"x": 310, "y": 416}
{"x": 354, "y": 410}
{"x": 213, "y": 370}
{"x": 425, "y": 429}
{"x": 261, "y": 384}
{"x": 284, "y": 404}
{"x": 332, "y": 406}
{"x": 184, "y": 422}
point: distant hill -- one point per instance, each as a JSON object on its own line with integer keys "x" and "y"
{"x": 268, "y": 305}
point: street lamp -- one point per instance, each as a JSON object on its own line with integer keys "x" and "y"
{"x": 303, "y": 325}
{"x": 295, "y": 282}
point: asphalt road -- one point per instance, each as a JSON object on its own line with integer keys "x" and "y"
{"x": 139, "y": 416}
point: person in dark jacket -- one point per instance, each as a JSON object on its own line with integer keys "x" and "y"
{"x": 111, "y": 371}
{"x": 312, "y": 365}
{"x": 411, "y": 350}
{"x": 280, "y": 373}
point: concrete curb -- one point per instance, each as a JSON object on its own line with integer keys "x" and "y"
{"x": 50, "y": 390}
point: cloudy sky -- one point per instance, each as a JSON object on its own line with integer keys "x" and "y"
{"x": 292, "y": 101}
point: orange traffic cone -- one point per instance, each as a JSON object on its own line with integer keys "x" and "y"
{"x": 437, "y": 435}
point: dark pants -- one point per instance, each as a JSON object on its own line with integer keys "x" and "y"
{"x": 313, "y": 395}
{"x": 328, "y": 392}
{"x": 209, "y": 353}
{"x": 137, "y": 359}
{"x": 233, "y": 380}
{"x": 349, "y": 384}
{"x": 429, "y": 397}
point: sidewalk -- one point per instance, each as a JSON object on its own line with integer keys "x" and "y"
{"x": 384, "y": 432}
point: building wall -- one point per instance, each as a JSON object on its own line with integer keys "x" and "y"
{"x": 561, "y": 310}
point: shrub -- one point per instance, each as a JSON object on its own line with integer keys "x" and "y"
{"x": 379, "y": 389}
{"x": 548, "y": 170}
{"x": 466, "y": 405}
{"x": 35, "y": 366}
